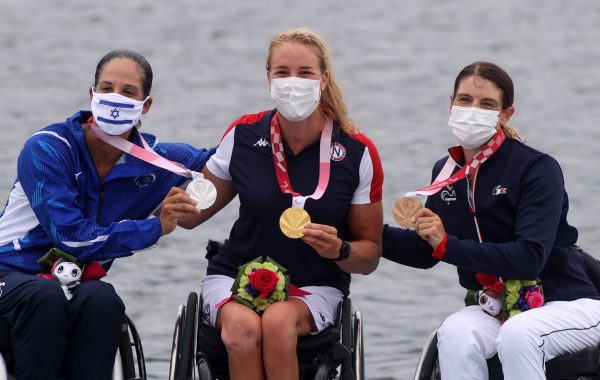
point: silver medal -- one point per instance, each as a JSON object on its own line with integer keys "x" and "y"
{"x": 202, "y": 191}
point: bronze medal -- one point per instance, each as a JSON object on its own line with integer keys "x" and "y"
{"x": 404, "y": 209}
{"x": 292, "y": 222}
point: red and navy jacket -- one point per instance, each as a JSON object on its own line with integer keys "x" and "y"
{"x": 521, "y": 207}
{"x": 245, "y": 157}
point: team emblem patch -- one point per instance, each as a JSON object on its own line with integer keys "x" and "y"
{"x": 338, "y": 152}
{"x": 145, "y": 180}
{"x": 499, "y": 190}
{"x": 448, "y": 194}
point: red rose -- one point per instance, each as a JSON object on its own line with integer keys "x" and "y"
{"x": 264, "y": 281}
{"x": 535, "y": 299}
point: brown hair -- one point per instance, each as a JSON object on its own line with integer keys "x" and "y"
{"x": 331, "y": 97}
{"x": 135, "y": 57}
{"x": 500, "y": 78}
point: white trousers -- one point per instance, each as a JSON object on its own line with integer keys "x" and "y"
{"x": 523, "y": 343}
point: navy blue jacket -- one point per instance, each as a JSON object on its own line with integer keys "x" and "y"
{"x": 521, "y": 207}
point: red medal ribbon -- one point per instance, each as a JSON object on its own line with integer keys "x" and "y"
{"x": 486, "y": 152}
{"x": 281, "y": 167}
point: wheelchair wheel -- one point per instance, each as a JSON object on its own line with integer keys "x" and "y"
{"x": 184, "y": 339}
{"x": 125, "y": 353}
{"x": 428, "y": 367}
{"x": 358, "y": 354}
{"x": 136, "y": 343}
{"x": 185, "y": 368}
{"x": 346, "y": 372}
{"x": 176, "y": 341}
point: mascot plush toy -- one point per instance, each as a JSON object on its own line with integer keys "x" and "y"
{"x": 490, "y": 298}
{"x": 68, "y": 274}
{"x": 59, "y": 266}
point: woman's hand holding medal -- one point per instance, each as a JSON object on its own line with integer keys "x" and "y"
{"x": 410, "y": 213}
{"x": 176, "y": 204}
{"x": 429, "y": 227}
{"x": 323, "y": 239}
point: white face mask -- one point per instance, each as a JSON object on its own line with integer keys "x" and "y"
{"x": 295, "y": 98}
{"x": 473, "y": 126}
{"x": 114, "y": 113}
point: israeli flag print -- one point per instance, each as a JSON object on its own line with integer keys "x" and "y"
{"x": 114, "y": 113}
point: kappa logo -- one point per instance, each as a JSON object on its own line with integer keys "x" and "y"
{"x": 145, "y": 180}
{"x": 206, "y": 313}
{"x": 1, "y": 286}
{"x": 498, "y": 190}
{"x": 262, "y": 143}
{"x": 77, "y": 175}
{"x": 338, "y": 152}
{"x": 448, "y": 195}
{"x": 322, "y": 316}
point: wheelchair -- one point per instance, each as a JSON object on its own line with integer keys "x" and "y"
{"x": 198, "y": 351}
{"x": 129, "y": 361}
{"x": 581, "y": 365}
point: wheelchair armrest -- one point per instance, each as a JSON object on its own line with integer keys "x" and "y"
{"x": 592, "y": 267}
{"x": 212, "y": 248}
{"x": 584, "y": 362}
{"x": 4, "y": 336}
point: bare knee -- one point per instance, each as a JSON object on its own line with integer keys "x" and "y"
{"x": 241, "y": 329}
{"x": 279, "y": 326}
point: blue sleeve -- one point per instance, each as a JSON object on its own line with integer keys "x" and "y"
{"x": 536, "y": 223}
{"x": 403, "y": 246}
{"x": 47, "y": 174}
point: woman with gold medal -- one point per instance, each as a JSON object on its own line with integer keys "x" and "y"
{"x": 310, "y": 189}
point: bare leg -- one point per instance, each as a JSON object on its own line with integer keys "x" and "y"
{"x": 282, "y": 323}
{"x": 241, "y": 334}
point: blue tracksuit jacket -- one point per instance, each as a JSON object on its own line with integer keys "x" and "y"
{"x": 58, "y": 200}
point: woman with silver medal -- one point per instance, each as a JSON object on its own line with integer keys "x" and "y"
{"x": 309, "y": 185}
{"x": 79, "y": 191}
{"x": 497, "y": 210}
{"x": 115, "y": 115}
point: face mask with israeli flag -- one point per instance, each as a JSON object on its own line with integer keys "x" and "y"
{"x": 114, "y": 113}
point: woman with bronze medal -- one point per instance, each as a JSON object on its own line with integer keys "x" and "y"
{"x": 310, "y": 189}
{"x": 497, "y": 210}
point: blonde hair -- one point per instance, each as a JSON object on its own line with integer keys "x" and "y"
{"x": 331, "y": 97}
{"x": 511, "y": 132}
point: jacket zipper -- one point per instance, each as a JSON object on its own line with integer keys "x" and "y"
{"x": 100, "y": 202}
{"x": 472, "y": 208}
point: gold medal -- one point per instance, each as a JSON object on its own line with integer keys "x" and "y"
{"x": 292, "y": 222}
{"x": 405, "y": 209}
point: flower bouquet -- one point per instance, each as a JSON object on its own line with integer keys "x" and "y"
{"x": 512, "y": 296}
{"x": 262, "y": 282}
{"x": 521, "y": 295}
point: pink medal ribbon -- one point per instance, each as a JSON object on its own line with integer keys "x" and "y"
{"x": 444, "y": 179}
{"x": 283, "y": 178}
{"x": 145, "y": 154}
{"x": 199, "y": 189}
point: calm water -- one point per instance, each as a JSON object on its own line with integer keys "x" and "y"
{"x": 396, "y": 61}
